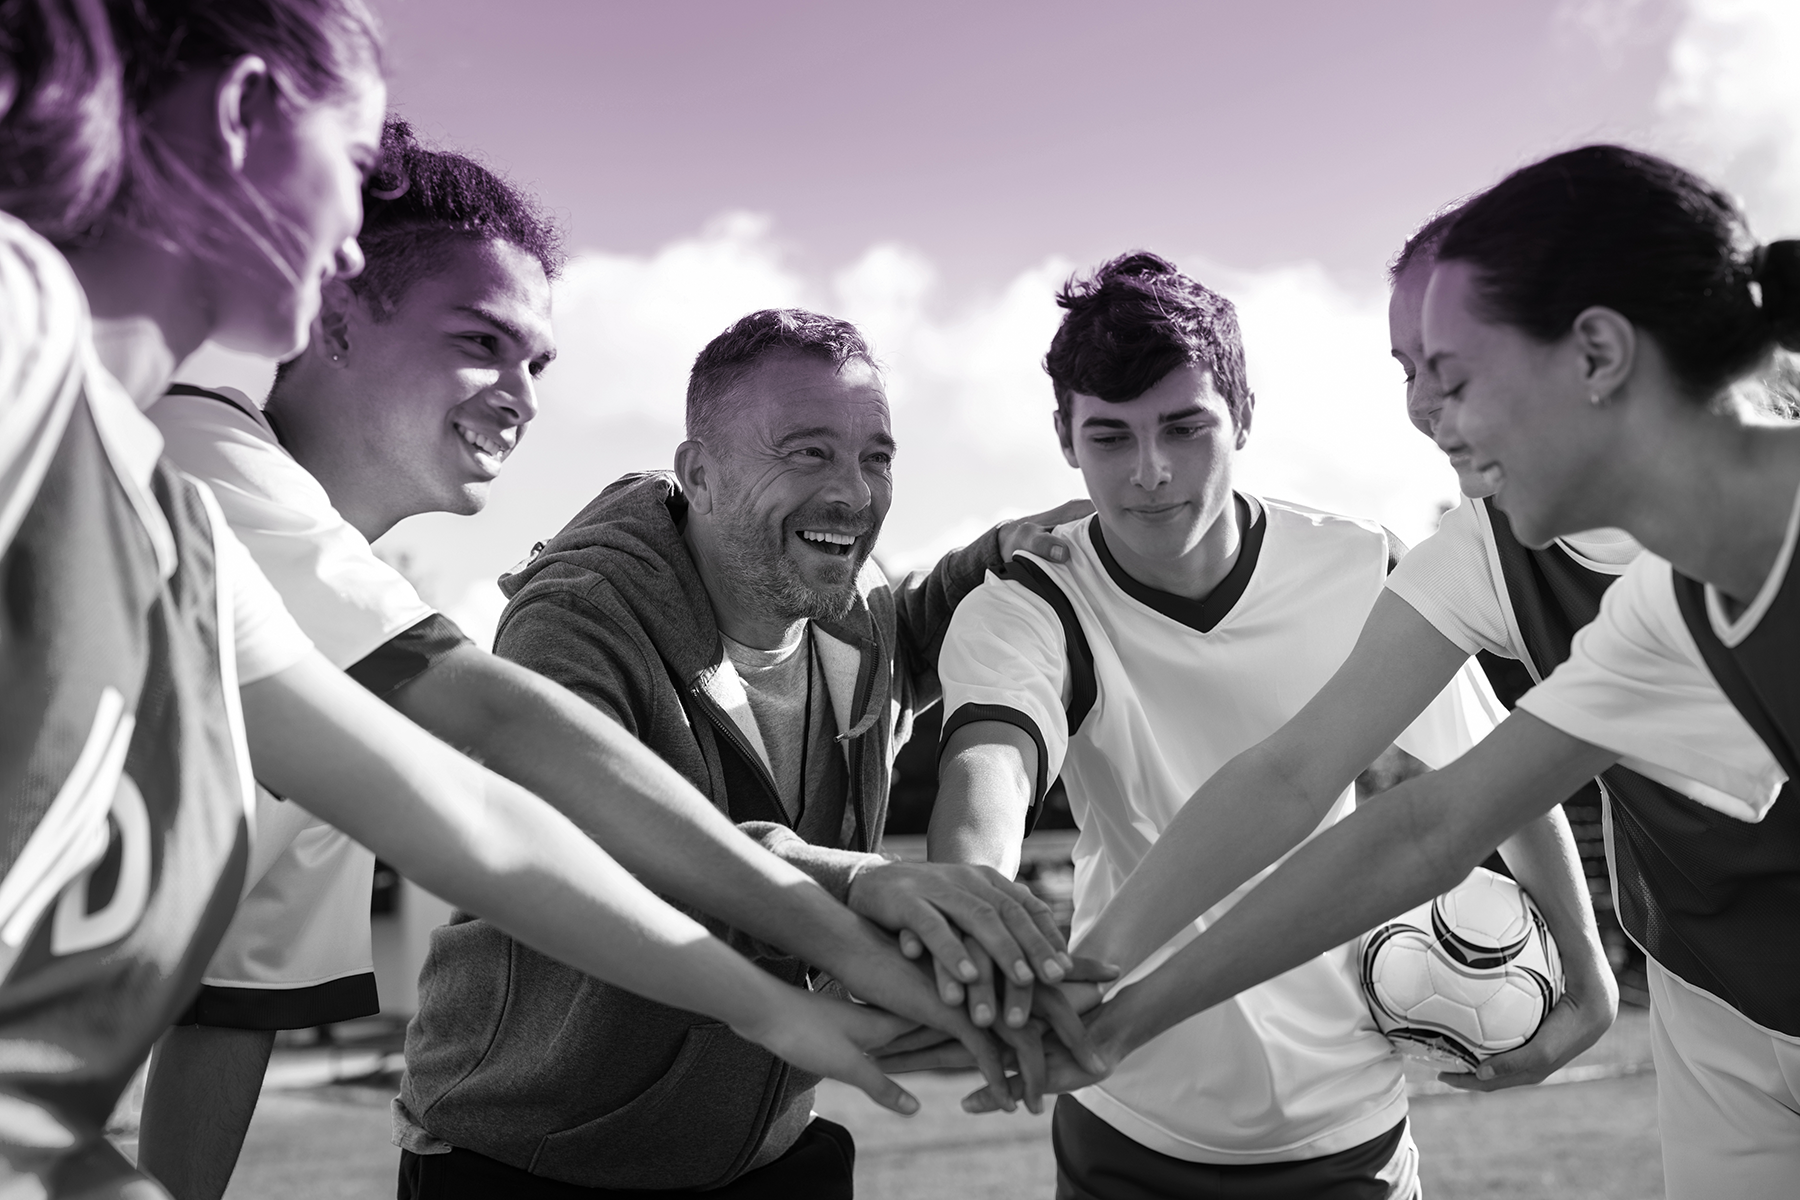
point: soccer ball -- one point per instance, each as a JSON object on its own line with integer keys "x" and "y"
{"x": 1464, "y": 977}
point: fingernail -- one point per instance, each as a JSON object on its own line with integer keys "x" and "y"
{"x": 967, "y": 970}
{"x": 909, "y": 1105}
{"x": 1053, "y": 969}
{"x": 983, "y": 1014}
{"x": 1015, "y": 1017}
{"x": 1484, "y": 1073}
{"x": 1022, "y": 971}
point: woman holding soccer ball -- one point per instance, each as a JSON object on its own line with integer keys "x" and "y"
{"x": 1587, "y": 321}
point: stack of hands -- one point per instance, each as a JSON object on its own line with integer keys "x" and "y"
{"x": 958, "y": 967}
{"x": 976, "y": 975}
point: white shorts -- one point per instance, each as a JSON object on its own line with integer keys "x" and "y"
{"x": 1727, "y": 1097}
{"x": 297, "y": 953}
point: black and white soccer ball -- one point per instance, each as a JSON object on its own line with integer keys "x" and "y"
{"x": 1467, "y": 976}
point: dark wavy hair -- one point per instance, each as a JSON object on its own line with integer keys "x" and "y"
{"x": 422, "y": 202}
{"x": 1610, "y": 226}
{"x": 1133, "y": 321}
{"x": 731, "y": 356}
{"x": 61, "y": 86}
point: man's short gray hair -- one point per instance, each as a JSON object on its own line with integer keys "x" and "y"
{"x": 731, "y": 356}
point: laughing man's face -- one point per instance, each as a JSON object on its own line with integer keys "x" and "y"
{"x": 803, "y": 485}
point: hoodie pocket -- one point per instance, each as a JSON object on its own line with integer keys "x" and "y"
{"x": 688, "y": 1129}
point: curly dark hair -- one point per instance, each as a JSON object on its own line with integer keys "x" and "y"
{"x": 1133, "y": 321}
{"x": 421, "y": 202}
{"x": 728, "y": 358}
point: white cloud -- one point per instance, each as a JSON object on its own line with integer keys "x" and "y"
{"x": 1730, "y": 103}
{"x": 971, "y": 402}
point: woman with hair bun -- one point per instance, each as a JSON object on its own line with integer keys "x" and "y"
{"x": 147, "y": 662}
{"x": 1590, "y": 321}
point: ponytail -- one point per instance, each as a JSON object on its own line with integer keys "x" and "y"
{"x": 1776, "y": 274}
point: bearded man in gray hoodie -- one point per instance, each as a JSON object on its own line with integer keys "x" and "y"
{"x": 729, "y": 616}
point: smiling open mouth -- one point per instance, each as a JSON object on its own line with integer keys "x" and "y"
{"x": 839, "y": 544}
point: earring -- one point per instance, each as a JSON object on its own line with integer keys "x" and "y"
{"x": 1596, "y": 399}
{"x": 339, "y": 358}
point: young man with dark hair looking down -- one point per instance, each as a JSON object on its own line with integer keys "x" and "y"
{"x": 417, "y": 384}
{"x": 1189, "y": 621}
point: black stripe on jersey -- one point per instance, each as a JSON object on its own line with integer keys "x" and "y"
{"x": 969, "y": 714}
{"x": 1731, "y": 673}
{"x": 188, "y": 389}
{"x": 1083, "y": 687}
{"x": 325, "y": 1003}
{"x": 407, "y": 655}
{"x": 1203, "y": 615}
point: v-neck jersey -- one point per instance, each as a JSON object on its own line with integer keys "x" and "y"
{"x": 1205, "y": 613}
{"x": 1171, "y": 704}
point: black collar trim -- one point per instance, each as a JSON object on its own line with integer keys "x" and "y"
{"x": 1203, "y": 615}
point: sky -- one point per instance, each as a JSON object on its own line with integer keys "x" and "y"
{"x": 933, "y": 171}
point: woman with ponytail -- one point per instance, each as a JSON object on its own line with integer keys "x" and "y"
{"x": 1592, "y": 322}
{"x": 147, "y": 665}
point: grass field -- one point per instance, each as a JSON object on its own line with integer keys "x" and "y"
{"x": 1593, "y": 1138}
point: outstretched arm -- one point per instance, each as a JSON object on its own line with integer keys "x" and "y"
{"x": 494, "y": 849}
{"x": 625, "y": 797}
{"x": 1265, "y": 801}
{"x": 1399, "y": 850}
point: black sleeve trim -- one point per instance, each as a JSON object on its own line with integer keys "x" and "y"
{"x": 1083, "y": 687}
{"x": 326, "y": 1003}
{"x": 407, "y": 655}
{"x": 970, "y": 714}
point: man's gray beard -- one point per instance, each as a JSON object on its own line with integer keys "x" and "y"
{"x": 773, "y": 585}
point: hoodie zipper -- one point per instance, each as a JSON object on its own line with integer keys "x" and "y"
{"x": 725, "y": 727}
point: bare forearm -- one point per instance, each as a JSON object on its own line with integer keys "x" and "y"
{"x": 485, "y": 844}
{"x": 985, "y": 784}
{"x": 1215, "y": 843}
{"x": 626, "y": 798}
{"x": 1368, "y": 867}
{"x": 1399, "y": 850}
{"x": 1543, "y": 857}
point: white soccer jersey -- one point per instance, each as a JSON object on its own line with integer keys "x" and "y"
{"x": 1294, "y": 1068}
{"x": 304, "y": 920}
{"x": 1634, "y": 682}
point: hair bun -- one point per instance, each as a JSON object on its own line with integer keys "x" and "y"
{"x": 1777, "y": 274}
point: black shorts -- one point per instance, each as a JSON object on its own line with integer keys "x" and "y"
{"x": 819, "y": 1166}
{"x": 1094, "y": 1161}
{"x": 343, "y": 999}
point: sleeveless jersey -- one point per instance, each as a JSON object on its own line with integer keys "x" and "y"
{"x": 1711, "y": 898}
{"x": 123, "y": 800}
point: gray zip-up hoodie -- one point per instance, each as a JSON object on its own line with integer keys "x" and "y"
{"x": 520, "y": 1058}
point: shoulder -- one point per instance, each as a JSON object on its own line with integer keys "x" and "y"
{"x": 192, "y": 418}
{"x": 1297, "y": 533}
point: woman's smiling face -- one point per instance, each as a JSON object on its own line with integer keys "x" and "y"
{"x": 1514, "y": 406}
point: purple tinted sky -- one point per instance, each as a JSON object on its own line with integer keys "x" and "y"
{"x": 992, "y": 135}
